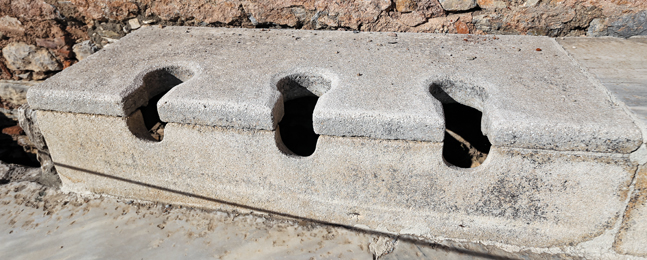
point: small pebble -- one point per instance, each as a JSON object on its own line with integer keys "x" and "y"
{"x": 392, "y": 34}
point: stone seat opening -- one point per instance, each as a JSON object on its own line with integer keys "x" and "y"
{"x": 300, "y": 94}
{"x": 464, "y": 145}
{"x": 157, "y": 83}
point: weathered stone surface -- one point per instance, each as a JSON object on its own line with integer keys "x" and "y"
{"x": 410, "y": 14}
{"x": 22, "y": 56}
{"x": 491, "y": 4}
{"x": 629, "y": 25}
{"x": 428, "y": 8}
{"x": 552, "y": 18}
{"x": 83, "y": 49}
{"x": 28, "y": 9}
{"x": 458, "y": 5}
{"x": 405, "y": 5}
{"x": 350, "y": 14}
{"x": 133, "y": 24}
{"x": 105, "y": 33}
{"x": 623, "y": 73}
{"x": 29, "y": 124}
{"x": 15, "y": 92}
{"x": 531, "y": 3}
{"x": 208, "y": 12}
{"x": 520, "y": 197}
{"x": 113, "y": 10}
{"x": 524, "y": 110}
{"x": 412, "y": 19}
{"x": 11, "y": 26}
{"x": 633, "y": 233}
{"x": 597, "y": 27}
{"x": 527, "y": 199}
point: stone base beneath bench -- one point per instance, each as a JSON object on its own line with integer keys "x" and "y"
{"x": 520, "y": 197}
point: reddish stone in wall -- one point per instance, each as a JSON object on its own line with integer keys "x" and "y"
{"x": 461, "y": 27}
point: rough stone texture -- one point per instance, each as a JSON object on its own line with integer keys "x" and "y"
{"x": 546, "y": 16}
{"x": 387, "y": 96}
{"x": 11, "y": 26}
{"x": 15, "y": 92}
{"x": 28, "y": 122}
{"x": 28, "y": 9}
{"x": 623, "y": 73}
{"x": 21, "y": 56}
{"x": 83, "y": 49}
{"x": 633, "y": 233}
{"x": 458, "y": 5}
{"x": 629, "y": 25}
{"x": 597, "y": 27}
{"x": 105, "y": 33}
{"x": 624, "y": 26}
{"x": 520, "y": 197}
{"x": 491, "y": 4}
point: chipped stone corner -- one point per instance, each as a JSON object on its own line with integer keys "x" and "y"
{"x": 27, "y": 120}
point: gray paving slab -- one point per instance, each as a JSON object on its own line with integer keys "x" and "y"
{"x": 620, "y": 64}
{"x": 370, "y": 84}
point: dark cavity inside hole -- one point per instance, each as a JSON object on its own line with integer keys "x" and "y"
{"x": 465, "y": 145}
{"x": 152, "y": 120}
{"x": 158, "y": 83}
{"x": 297, "y": 131}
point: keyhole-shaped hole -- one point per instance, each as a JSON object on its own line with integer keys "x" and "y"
{"x": 155, "y": 85}
{"x": 464, "y": 146}
{"x": 300, "y": 93}
{"x": 296, "y": 128}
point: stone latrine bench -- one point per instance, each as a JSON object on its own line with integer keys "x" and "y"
{"x": 558, "y": 173}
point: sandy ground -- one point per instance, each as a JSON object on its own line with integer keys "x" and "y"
{"x": 37, "y": 222}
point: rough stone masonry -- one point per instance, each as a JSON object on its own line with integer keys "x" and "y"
{"x": 557, "y": 180}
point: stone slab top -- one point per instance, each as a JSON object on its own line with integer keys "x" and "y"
{"x": 376, "y": 85}
{"x": 620, "y": 64}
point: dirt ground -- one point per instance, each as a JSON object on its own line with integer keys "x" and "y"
{"x": 38, "y": 222}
